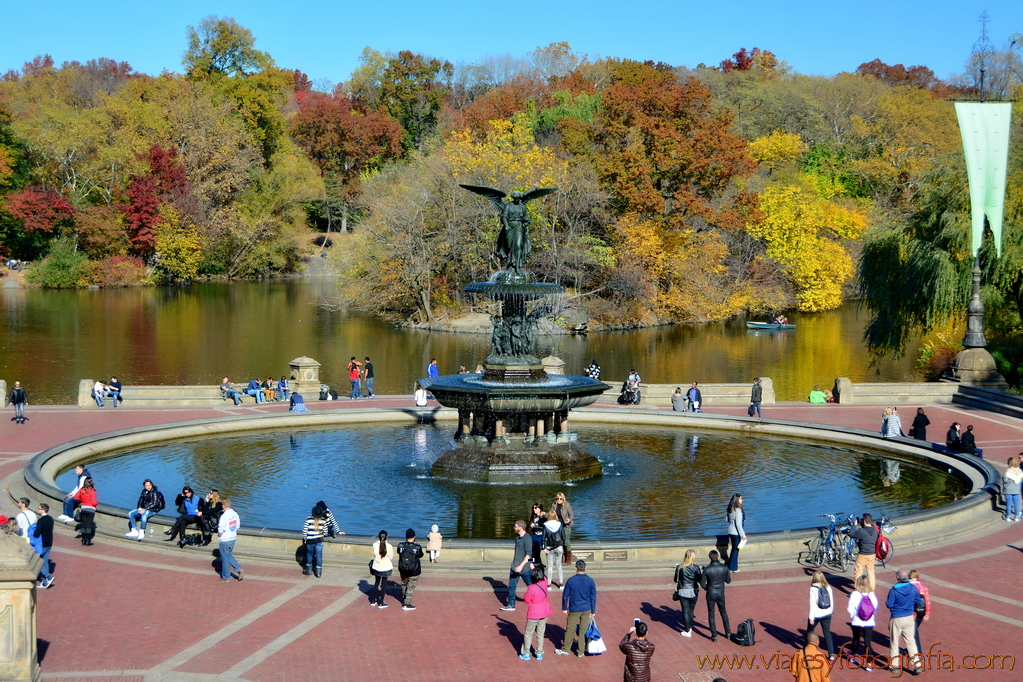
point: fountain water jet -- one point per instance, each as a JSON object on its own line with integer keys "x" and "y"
{"x": 513, "y": 418}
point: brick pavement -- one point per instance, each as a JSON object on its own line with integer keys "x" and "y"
{"x": 137, "y": 611}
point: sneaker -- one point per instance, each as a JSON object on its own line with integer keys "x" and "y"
{"x": 559, "y": 652}
{"x": 64, "y": 518}
{"x": 382, "y": 605}
{"x": 507, "y": 608}
{"x": 142, "y": 535}
{"x": 539, "y": 657}
{"x": 524, "y": 657}
{"x": 132, "y": 534}
{"x": 581, "y": 655}
{"x": 46, "y": 582}
{"x": 408, "y": 607}
{"x": 867, "y": 667}
{"x": 241, "y": 574}
{"x": 687, "y": 633}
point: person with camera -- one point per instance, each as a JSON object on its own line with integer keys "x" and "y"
{"x": 865, "y": 535}
{"x": 638, "y": 653}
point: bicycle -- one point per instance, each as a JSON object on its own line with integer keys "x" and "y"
{"x": 821, "y": 549}
{"x": 887, "y": 528}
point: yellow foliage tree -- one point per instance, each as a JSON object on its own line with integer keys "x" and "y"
{"x": 804, "y": 233}
{"x": 178, "y": 243}
{"x": 777, "y": 149}
{"x": 508, "y": 153}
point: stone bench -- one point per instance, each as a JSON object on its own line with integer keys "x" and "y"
{"x": 713, "y": 394}
{"x": 141, "y": 397}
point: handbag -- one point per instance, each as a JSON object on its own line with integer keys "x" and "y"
{"x": 594, "y": 642}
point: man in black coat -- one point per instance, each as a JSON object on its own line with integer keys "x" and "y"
{"x": 968, "y": 443}
{"x": 715, "y": 577}
{"x": 409, "y": 567}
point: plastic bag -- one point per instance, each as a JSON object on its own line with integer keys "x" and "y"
{"x": 594, "y": 642}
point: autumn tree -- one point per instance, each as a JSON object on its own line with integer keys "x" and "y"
{"x": 896, "y": 75}
{"x": 411, "y": 92}
{"x": 220, "y": 46}
{"x": 166, "y": 182}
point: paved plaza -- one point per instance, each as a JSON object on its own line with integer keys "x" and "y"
{"x": 127, "y": 611}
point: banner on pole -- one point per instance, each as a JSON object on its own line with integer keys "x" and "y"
{"x": 985, "y": 130}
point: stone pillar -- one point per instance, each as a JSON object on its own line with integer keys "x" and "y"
{"x": 19, "y": 567}
{"x": 553, "y": 365}
{"x": 843, "y": 391}
{"x": 305, "y": 375}
{"x": 767, "y": 386}
{"x": 85, "y": 393}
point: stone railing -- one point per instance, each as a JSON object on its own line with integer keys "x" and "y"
{"x": 181, "y": 396}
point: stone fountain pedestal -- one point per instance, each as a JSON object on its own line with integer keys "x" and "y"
{"x": 19, "y": 567}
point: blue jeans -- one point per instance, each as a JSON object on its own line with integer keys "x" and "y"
{"x": 369, "y": 386}
{"x": 356, "y": 389}
{"x": 98, "y": 397}
{"x": 513, "y": 583}
{"x": 45, "y": 556}
{"x": 756, "y": 406}
{"x": 733, "y": 554}
{"x": 314, "y": 556}
{"x": 19, "y": 410}
{"x": 1012, "y": 501}
{"x": 257, "y": 393}
{"x": 115, "y": 396}
{"x": 233, "y": 394}
{"x": 69, "y": 507}
{"x": 136, "y": 519}
{"x": 227, "y": 560}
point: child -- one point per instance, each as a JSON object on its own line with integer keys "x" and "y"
{"x": 433, "y": 543}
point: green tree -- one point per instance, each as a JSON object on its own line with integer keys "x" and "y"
{"x": 220, "y": 46}
{"x": 412, "y": 94}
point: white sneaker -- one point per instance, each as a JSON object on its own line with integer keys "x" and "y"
{"x": 687, "y": 633}
{"x": 142, "y": 535}
{"x": 132, "y": 534}
{"x": 64, "y": 518}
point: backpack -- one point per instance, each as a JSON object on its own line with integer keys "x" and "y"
{"x": 36, "y": 543}
{"x": 823, "y": 600}
{"x": 883, "y": 547}
{"x": 408, "y": 558}
{"x": 865, "y": 611}
{"x": 745, "y": 634}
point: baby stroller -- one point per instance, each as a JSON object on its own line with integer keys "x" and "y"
{"x": 629, "y": 395}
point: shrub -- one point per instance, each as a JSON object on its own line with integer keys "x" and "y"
{"x": 63, "y": 268}
{"x": 120, "y": 271}
{"x": 936, "y": 356}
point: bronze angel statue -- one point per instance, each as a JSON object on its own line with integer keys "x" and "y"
{"x": 513, "y": 245}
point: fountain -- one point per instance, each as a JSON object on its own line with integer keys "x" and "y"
{"x": 513, "y": 418}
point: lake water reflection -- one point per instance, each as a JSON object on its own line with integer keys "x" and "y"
{"x": 196, "y": 334}
{"x": 657, "y": 482}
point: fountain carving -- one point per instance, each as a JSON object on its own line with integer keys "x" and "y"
{"x": 513, "y": 418}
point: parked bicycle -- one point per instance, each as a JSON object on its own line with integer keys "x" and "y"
{"x": 832, "y": 546}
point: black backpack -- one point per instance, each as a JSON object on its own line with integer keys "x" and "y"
{"x": 408, "y": 558}
{"x": 745, "y": 634}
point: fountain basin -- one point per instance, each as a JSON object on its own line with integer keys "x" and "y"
{"x": 550, "y": 394}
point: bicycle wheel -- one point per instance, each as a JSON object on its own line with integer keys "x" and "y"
{"x": 815, "y": 555}
{"x": 846, "y": 558}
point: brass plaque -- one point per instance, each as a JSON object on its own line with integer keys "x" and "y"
{"x": 585, "y": 556}
{"x": 617, "y": 555}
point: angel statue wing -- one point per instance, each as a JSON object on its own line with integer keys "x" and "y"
{"x": 536, "y": 193}
{"x": 495, "y": 195}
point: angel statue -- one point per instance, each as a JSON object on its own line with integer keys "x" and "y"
{"x": 513, "y": 245}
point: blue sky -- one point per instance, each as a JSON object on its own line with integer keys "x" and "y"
{"x": 324, "y": 39}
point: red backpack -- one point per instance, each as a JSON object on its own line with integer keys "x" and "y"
{"x": 883, "y": 547}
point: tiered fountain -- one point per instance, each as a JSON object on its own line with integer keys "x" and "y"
{"x": 513, "y": 417}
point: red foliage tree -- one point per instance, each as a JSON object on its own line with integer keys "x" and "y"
{"x": 915, "y": 76}
{"x": 39, "y": 210}
{"x": 166, "y": 181}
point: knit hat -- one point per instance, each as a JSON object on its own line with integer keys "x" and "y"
{"x": 434, "y": 528}
{"x": 3, "y": 520}
{"x": 409, "y": 534}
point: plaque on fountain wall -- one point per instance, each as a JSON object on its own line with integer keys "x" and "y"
{"x": 513, "y": 419}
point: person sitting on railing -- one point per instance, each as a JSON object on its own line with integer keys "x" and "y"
{"x": 114, "y": 390}
{"x": 99, "y": 389}
{"x": 817, "y": 396}
{"x": 968, "y": 444}
{"x": 255, "y": 391}
{"x": 227, "y": 392}
{"x": 190, "y": 509}
{"x": 282, "y": 392}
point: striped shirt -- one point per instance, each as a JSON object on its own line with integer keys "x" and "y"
{"x": 313, "y": 530}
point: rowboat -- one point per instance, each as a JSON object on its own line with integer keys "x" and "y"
{"x": 769, "y": 325}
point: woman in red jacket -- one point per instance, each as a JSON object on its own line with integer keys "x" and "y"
{"x": 87, "y": 496}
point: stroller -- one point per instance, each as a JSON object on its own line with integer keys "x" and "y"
{"x": 630, "y": 394}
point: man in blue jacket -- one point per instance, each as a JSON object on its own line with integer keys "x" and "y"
{"x": 579, "y": 603}
{"x": 901, "y": 602}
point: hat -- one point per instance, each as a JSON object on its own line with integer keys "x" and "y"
{"x": 409, "y": 534}
{"x": 3, "y": 520}
{"x": 434, "y": 528}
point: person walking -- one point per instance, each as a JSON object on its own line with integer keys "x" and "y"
{"x": 1011, "y": 480}
{"x": 736, "y": 517}
{"x": 381, "y": 568}
{"x": 538, "y": 609}
{"x": 891, "y": 426}
{"x": 564, "y": 511}
{"x": 713, "y": 580}
{"x": 227, "y": 531}
{"x": 367, "y": 375}
{"x": 25, "y": 517}
{"x": 87, "y": 517}
{"x": 638, "y": 653}
{"x": 44, "y": 531}
{"x": 756, "y": 397}
{"x": 312, "y": 536}
{"x": 822, "y": 605}
{"x": 521, "y": 566}
{"x": 150, "y": 502}
{"x": 808, "y": 664}
{"x": 19, "y": 399}
{"x": 687, "y": 582}
{"x": 920, "y": 424}
{"x": 865, "y": 534}
{"x": 901, "y": 603}
{"x": 579, "y": 604}
{"x": 409, "y": 568}
{"x": 554, "y": 546}
{"x": 921, "y": 610}
{"x": 862, "y": 607}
